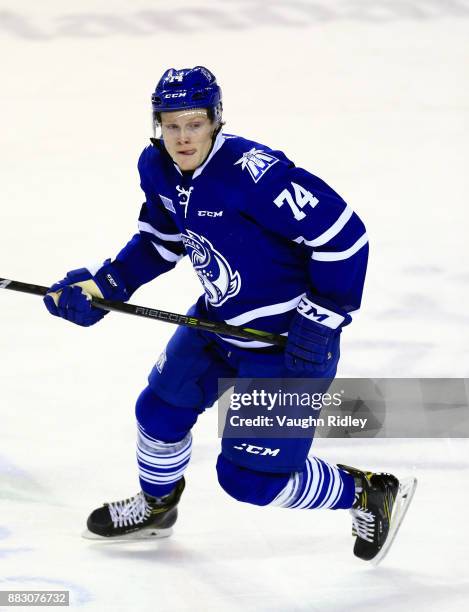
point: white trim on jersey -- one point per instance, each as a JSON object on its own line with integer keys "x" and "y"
{"x": 219, "y": 140}
{"x": 248, "y": 343}
{"x": 331, "y": 232}
{"x": 340, "y": 255}
{"x": 165, "y": 254}
{"x": 143, "y": 226}
{"x": 265, "y": 311}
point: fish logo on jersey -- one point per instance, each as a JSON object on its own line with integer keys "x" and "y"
{"x": 257, "y": 162}
{"x": 219, "y": 281}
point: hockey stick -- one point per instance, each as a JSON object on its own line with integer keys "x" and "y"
{"x": 216, "y": 327}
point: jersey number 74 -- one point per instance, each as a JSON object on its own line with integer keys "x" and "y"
{"x": 296, "y": 201}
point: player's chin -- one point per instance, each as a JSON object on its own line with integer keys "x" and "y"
{"x": 187, "y": 162}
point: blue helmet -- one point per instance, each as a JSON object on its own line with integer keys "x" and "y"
{"x": 185, "y": 89}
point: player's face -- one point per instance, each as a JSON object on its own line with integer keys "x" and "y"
{"x": 187, "y": 136}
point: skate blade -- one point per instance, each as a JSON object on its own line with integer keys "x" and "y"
{"x": 135, "y": 536}
{"x": 404, "y": 496}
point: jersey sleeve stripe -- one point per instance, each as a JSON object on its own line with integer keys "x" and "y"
{"x": 166, "y": 254}
{"x": 340, "y": 255}
{"x": 248, "y": 343}
{"x": 143, "y": 226}
{"x": 331, "y": 232}
{"x": 265, "y": 311}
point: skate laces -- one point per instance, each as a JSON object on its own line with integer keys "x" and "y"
{"x": 363, "y": 523}
{"x": 129, "y": 511}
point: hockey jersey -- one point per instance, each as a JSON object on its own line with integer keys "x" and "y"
{"x": 259, "y": 232}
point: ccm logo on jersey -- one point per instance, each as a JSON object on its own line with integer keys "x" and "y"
{"x": 258, "y": 450}
{"x": 257, "y": 162}
{"x": 210, "y": 213}
{"x": 317, "y": 313}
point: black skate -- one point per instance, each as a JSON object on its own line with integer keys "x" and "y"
{"x": 136, "y": 518}
{"x": 381, "y": 501}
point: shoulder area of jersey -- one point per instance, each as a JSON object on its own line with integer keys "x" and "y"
{"x": 150, "y": 153}
{"x": 252, "y": 159}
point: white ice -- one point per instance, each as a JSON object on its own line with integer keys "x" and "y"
{"x": 372, "y": 96}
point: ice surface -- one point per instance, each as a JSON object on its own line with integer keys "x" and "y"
{"x": 372, "y": 97}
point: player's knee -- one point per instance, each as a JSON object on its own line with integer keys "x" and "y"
{"x": 162, "y": 420}
{"x": 249, "y": 486}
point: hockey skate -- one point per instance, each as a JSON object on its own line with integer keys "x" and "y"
{"x": 381, "y": 502}
{"x": 140, "y": 517}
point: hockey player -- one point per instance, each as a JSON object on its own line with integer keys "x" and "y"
{"x": 274, "y": 247}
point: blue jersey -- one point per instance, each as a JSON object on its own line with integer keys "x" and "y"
{"x": 259, "y": 231}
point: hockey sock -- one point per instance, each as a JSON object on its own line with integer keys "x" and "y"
{"x": 161, "y": 464}
{"x": 318, "y": 485}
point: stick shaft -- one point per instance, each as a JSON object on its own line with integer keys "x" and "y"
{"x": 215, "y": 327}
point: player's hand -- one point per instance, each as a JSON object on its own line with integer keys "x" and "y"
{"x": 70, "y": 298}
{"x": 313, "y": 339}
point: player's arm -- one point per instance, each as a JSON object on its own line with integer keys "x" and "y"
{"x": 332, "y": 238}
{"x": 155, "y": 249}
{"x": 158, "y": 246}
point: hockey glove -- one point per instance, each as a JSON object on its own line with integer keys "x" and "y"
{"x": 70, "y": 298}
{"x": 313, "y": 338}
